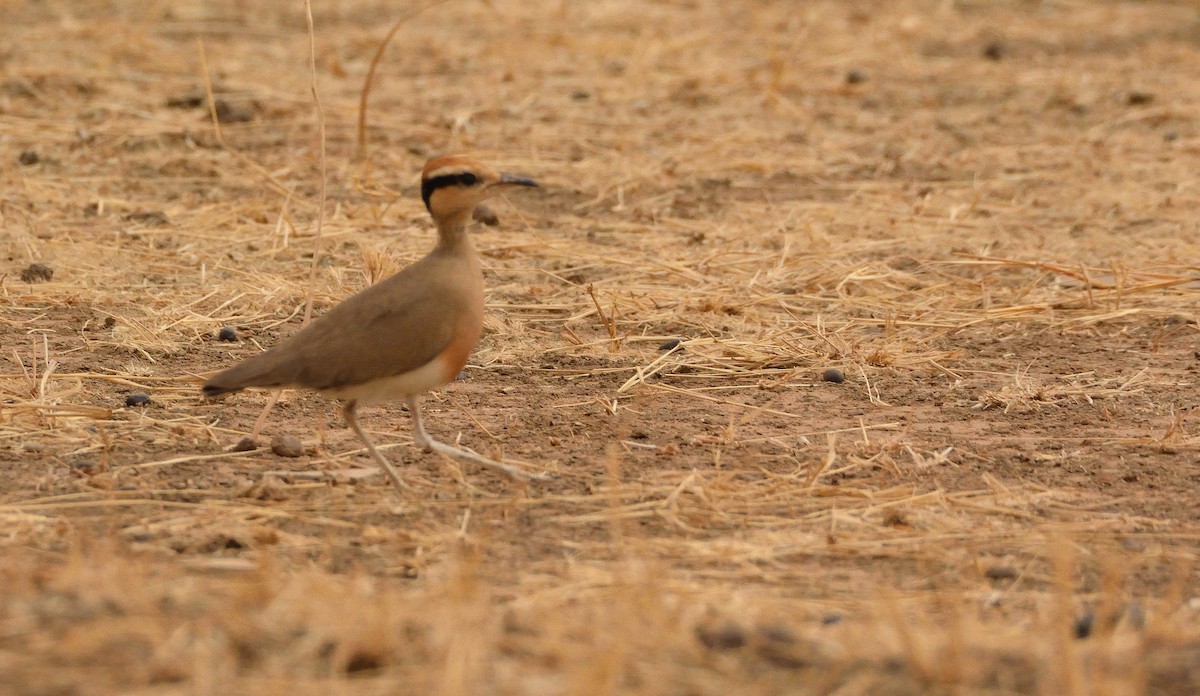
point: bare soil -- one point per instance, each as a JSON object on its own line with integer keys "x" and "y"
{"x": 984, "y": 215}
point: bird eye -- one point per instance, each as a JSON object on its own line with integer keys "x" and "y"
{"x": 468, "y": 179}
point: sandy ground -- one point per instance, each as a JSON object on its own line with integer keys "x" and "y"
{"x": 983, "y": 214}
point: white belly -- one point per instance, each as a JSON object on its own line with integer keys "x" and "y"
{"x": 431, "y": 374}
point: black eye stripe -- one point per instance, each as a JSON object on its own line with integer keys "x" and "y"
{"x": 442, "y": 181}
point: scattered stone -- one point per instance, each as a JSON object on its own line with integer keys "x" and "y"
{"x": 485, "y": 215}
{"x": 723, "y": 636}
{"x": 670, "y": 344}
{"x": 855, "y": 77}
{"x": 37, "y": 273}
{"x": 1139, "y": 98}
{"x": 1000, "y": 572}
{"x": 831, "y": 619}
{"x": 994, "y": 50}
{"x": 287, "y": 446}
{"x": 191, "y": 100}
{"x": 87, "y": 467}
{"x": 28, "y": 158}
{"x": 361, "y": 661}
{"x": 137, "y": 399}
{"x": 1084, "y": 623}
{"x": 833, "y": 375}
{"x": 153, "y": 218}
{"x": 246, "y": 444}
{"x": 233, "y": 112}
{"x": 461, "y": 376}
{"x": 581, "y": 95}
{"x": 227, "y": 334}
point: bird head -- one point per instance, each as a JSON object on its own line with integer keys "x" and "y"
{"x": 453, "y": 185}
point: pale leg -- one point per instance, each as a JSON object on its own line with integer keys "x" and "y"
{"x": 352, "y": 420}
{"x": 424, "y": 441}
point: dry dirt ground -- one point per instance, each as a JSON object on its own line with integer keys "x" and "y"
{"x": 984, "y": 214}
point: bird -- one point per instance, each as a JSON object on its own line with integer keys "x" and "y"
{"x": 403, "y": 336}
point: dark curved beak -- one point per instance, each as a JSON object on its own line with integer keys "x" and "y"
{"x": 507, "y": 179}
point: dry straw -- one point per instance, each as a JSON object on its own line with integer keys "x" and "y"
{"x": 990, "y": 236}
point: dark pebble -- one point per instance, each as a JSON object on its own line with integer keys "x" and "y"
{"x": 581, "y": 95}
{"x": 723, "y": 636}
{"x": 485, "y": 215}
{"x": 227, "y": 334}
{"x": 287, "y": 446}
{"x": 831, "y": 619}
{"x": 233, "y": 112}
{"x": 673, "y": 343}
{"x": 855, "y": 77}
{"x": 153, "y": 218}
{"x": 137, "y": 399}
{"x": 28, "y": 157}
{"x": 994, "y": 50}
{"x": 461, "y": 376}
{"x": 1001, "y": 573}
{"x": 37, "y": 273}
{"x": 833, "y": 375}
{"x": 1084, "y": 623}
{"x": 86, "y": 467}
{"x": 1139, "y": 98}
{"x": 246, "y": 444}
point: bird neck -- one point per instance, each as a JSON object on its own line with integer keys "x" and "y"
{"x": 452, "y": 232}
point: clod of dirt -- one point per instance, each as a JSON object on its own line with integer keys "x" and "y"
{"x": 28, "y": 158}
{"x": 152, "y": 218}
{"x": 233, "y": 112}
{"x": 287, "y": 446}
{"x": 833, "y": 375}
{"x": 37, "y": 273}
{"x": 672, "y": 343}
{"x": 227, "y": 334}
{"x": 1134, "y": 99}
{"x": 246, "y": 444}
{"x": 363, "y": 662}
{"x": 855, "y": 77}
{"x": 485, "y": 215}
{"x": 86, "y": 467}
{"x": 994, "y": 50}
{"x": 137, "y": 399}
{"x": 722, "y": 636}
{"x": 1001, "y": 573}
{"x": 1084, "y": 623}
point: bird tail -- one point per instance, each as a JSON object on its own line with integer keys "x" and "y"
{"x": 255, "y": 372}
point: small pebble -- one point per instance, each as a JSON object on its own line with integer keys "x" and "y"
{"x": 581, "y": 95}
{"x": 831, "y": 619}
{"x": 485, "y": 215}
{"x": 995, "y": 50}
{"x": 287, "y": 446}
{"x": 1001, "y": 573}
{"x": 1083, "y": 624}
{"x": 153, "y": 218}
{"x": 833, "y": 375}
{"x": 1139, "y": 98}
{"x": 855, "y": 77}
{"x": 37, "y": 273}
{"x": 669, "y": 344}
{"x": 246, "y": 444}
{"x": 137, "y": 399}
{"x": 28, "y": 157}
{"x": 227, "y": 334}
{"x": 461, "y": 376}
{"x": 723, "y": 636}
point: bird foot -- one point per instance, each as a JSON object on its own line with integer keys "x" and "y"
{"x": 508, "y": 470}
